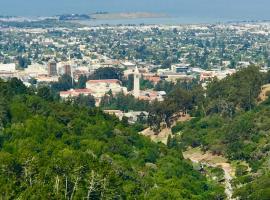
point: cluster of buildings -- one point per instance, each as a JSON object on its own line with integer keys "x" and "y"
{"x": 141, "y": 51}
{"x": 178, "y": 72}
{"x": 131, "y": 116}
{"x": 43, "y": 74}
{"x": 99, "y": 88}
{"x": 184, "y": 72}
{"x": 46, "y": 74}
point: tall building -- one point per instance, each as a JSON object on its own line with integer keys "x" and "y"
{"x": 52, "y": 68}
{"x": 136, "y": 86}
{"x": 67, "y": 69}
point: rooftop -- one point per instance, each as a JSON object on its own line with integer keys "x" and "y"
{"x": 104, "y": 81}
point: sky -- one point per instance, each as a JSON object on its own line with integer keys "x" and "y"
{"x": 227, "y": 9}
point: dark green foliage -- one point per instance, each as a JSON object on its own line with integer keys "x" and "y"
{"x": 227, "y": 97}
{"x": 160, "y": 113}
{"x": 182, "y": 98}
{"x": 123, "y": 102}
{"x": 145, "y": 84}
{"x": 241, "y": 170}
{"x": 84, "y": 101}
{"x": 234, "y": 125}
{"x": 23, "y": 62}
{"x": 129, "y": 82}
{"x": 52, "y": 150}
{"x": 81, "y": 82}
{"x": 45, "y": 93}
{"x": 16, "y": 86}
{"x": 107, "y": 73}
{"x": 4, "y": 113}
{"x": 236, "y": 92}
{"x": 258, "y": 189}
{"x": 64, "y": 83}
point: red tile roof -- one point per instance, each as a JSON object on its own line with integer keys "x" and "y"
{"x": 154, "y": 79}
{"x": 82, "y": 90}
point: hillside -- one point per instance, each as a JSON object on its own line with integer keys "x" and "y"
{"x": 236, "y": 127}
{"x": 54, "y": 150}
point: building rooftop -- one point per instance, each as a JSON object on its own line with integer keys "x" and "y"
{"x": 104, "y": 81}
{"x": 76, "y": 92}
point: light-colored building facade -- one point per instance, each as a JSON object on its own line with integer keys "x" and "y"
{"x": 136, "y": 90}
{"x": 101, "y": 87}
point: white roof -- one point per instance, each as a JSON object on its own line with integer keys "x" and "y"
{"x": 128, "y": 64}
{"x": 198, "y": 70}
{"x": 162, "y": 92}
{"x": 8, "y": 67}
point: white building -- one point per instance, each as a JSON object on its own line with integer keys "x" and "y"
{"x": 35, "y": 70}
{"x": 136, "y": 90}
{"x": 96, "y": 88}
{"x": 128, "y": 65}
{"x": 132, "y": 116}
{"x": 7, "y": 70}
{"x": 8, "y": 67}
{"x": 75, "y": 93}
{"x": 101, "y": 87}
{"x": 180, "y": 68}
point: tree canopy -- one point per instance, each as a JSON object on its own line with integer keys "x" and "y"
{"x": 54, "y": 150}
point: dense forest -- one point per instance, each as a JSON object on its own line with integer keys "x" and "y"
{"x": 70, "y": 150}
{"x": 234, "y": 124}
{"x": 59, "y": 150}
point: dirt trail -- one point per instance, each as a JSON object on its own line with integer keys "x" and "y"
{"x": 163, "y": 135}
{"x": 263, "y": 94}
{"x": 197, "y": 156}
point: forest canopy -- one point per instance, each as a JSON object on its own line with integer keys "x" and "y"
{"x": 57, "y": 150}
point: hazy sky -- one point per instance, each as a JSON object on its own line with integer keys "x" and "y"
{"x": 233, "y": 9}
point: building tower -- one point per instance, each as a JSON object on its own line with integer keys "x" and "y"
{"x": 52, "y": 68}
{"x": 136, "y": 85}
{"x": 67, "y": 69}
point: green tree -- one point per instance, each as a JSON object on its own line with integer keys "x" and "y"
{"x": 107, "y": 73}
{"x": 64, "y": 83}
{"x": 45, "y": 93}
{"x": 82, "y": 82}
{"x": 87, "y": 101}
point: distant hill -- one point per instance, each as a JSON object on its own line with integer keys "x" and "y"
{"x": 67, "y": 17}
{"x": 127, "y": 15}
